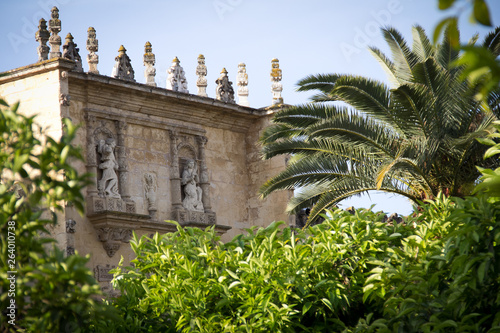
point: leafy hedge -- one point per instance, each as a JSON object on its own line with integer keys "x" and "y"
{"x": 437, "y": 272}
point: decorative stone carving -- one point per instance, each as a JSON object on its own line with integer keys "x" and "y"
{"x": 108, "y": 184}
{"x": 55, "y": 28}
{"x": 242, "y": 82}
{"x": 102, "y": 274}
{"x": 112, "y": 238}
{"x": 150, "y": 187}
{"x": 123, "y": 68}
{"x": 42, "y": 36}
{"x": 176, "y": 79}
{"x": 224, "y": 91}
{"x": 201, "y": 71}
{"x": 204, "y": 181}
{"x": 149, "y": 62}
{"x": 194, "y": 218}
{"x": 276, "y": 86}
{"x": 130, "y": 207}
{"x": 121, "y": 156}
{"x": 71, "y": 52}
{"x": 192, "y": 192}
{"x": 70, "y": 226}
{"x": 92, "y": 47}
{"x": 70, "y": 251}
{"x": 64, "y": 99}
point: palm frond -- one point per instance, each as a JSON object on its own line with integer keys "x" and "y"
{"x": 322, "y": 82}
{"x": 445, "y": 53}
{"x": 492, "y": 41}
{"x": 386, "y": 63}
{"x": 366, "y": 95}
{"x": 356, "y": 129}
{"x": 276, "y": 132}
{"x": 422, "y": 47}
{"x": 411, "y": 104}
{"x": 315, "y": 169}
{"x": 404, "y": 59}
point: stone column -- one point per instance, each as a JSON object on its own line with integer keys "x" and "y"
{"x": 149, "y": 62}
{"x": 175, "y": 177}
{"x": 92, "y": 47}
{"x": 242, "y": 82}
{"x": 204, "y": 181}
{"x": 276, "y": 86}
{"x": 42, "y": 36}
{"x": 55, "y": 39}
{"x": 91, "y": 155}
{"x": 121, "y": 157}
{"x": 201, "y": 71}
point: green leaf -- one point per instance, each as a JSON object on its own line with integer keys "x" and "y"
{"x": 481, "y": 271}
{"x": 306, "y": 307}
{"x": 481, "y": 13}
{"x": 440, "y": 27}
{"x": 445, "y": 4}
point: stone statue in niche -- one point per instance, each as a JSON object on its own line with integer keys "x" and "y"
{"x": 192, "y": 192}
{"x": 150, "y": 190}
{"x": 108, "y": 185}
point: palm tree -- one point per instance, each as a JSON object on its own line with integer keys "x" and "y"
{"x": 416, "y": 138}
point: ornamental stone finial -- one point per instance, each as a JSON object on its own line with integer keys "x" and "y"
{"x": 92, "y": 47}
{"x": 123, "y": 68}
{"x": 242, "y": 82}
{"x": 276, "y": 86}
{"x": 149, "y": 62}
{"x": 201, "y": 71}
{"x": 70, "y": 51}
{"x": 176, "y": 79}
{"x": 224, "y": 91}
{"x": 55, "y": 28}
{"x": 42, "y": 36}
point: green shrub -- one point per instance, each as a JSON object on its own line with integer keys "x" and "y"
{"x": 50, "y": 292}
{"x": 268, "y": 280}
{"x": 437, "y": 272}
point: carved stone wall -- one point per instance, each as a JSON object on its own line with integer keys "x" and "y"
{"x": 155, "y": 133}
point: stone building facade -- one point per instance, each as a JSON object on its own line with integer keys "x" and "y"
{"x": 156, "y": 154}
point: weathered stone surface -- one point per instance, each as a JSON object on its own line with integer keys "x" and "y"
{"x": 42, "y": 36}
{"x": 176, "y": 79}
{"x": 242, "y": 81}
{"x": 123, "y": 67}
{"x": 71, "y": 52}
{"x": 224, "y": 91}
{"x": 201, "y": 71}
{"x": 92, "y": 47}
{"x": 234, "y": 171}
{"x": 276, "y": 86}
{"x": 149, "y": 62}
{"x": 55, "y": 28}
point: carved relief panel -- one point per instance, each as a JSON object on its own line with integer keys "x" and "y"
{"x": 106, "y": 159}
{"x": 190, "y": 184}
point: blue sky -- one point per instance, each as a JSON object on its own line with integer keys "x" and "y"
{"x": 308, "y": 37}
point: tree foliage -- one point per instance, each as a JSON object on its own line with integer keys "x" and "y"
{"x": 437, "y": 272}
{"x": 52, "y": 292}
{"x": 480, "y": 63}
{"x": 416, "y": 138}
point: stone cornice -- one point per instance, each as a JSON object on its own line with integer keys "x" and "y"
{"x": 36, "y": 68}
{"x": 106, "y": 93}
